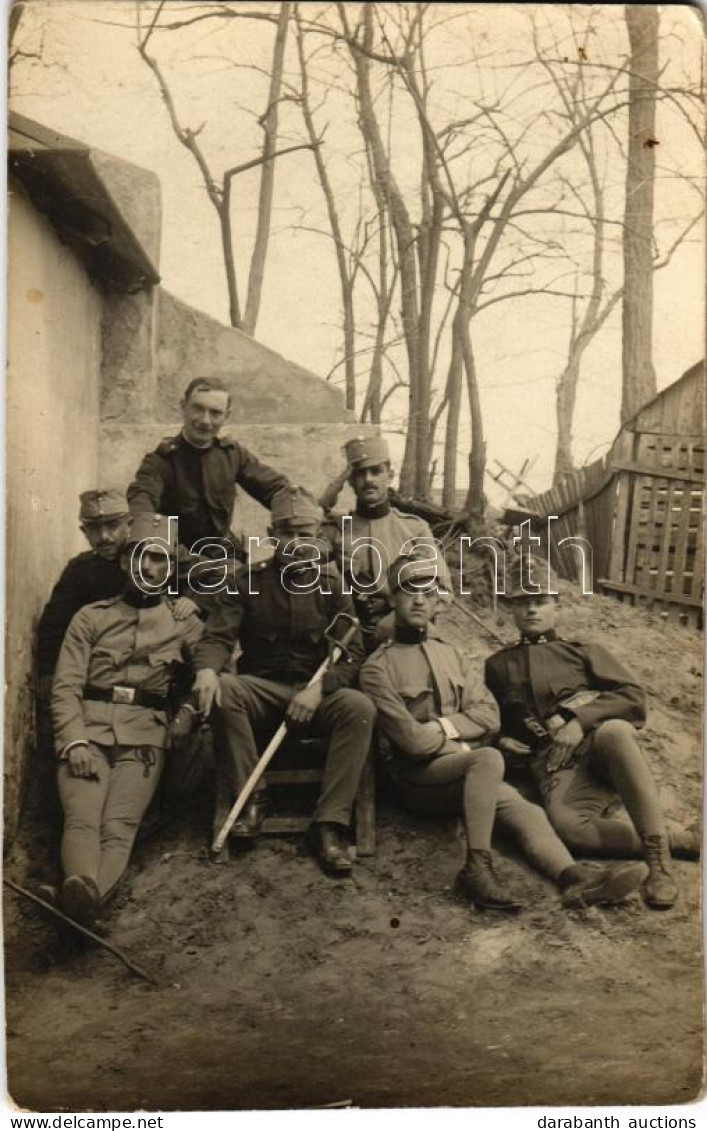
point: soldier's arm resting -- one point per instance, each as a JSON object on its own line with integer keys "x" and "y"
{"x": 220, "y": 632}
{"x": 259, "y": 480}
{"x": 621, "y": 696}
{"x": 478, "y": 718}
{"x": 65, "y": 600}
{"x": 410, "y": 738}
{"x": 70, "y": 680}
{"x": 145, "y": 491}
{"x": 331, "y": 492}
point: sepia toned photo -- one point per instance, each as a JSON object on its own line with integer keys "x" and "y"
{"x": 354, "y": 556}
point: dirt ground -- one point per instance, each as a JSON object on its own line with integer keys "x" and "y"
{"x": 278, "y": 987}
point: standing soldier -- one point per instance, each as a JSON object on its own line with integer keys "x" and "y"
{"x": 366, "y": 543}
{"x": 279, "y": 616}
{"x": 572, "y": 710}
{"x": 433, "y": 710}
{"x": 193, "y": 476}
{"x": 109, "y": 706}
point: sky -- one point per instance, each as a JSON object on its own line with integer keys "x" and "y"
{"x": 92, "y": 85}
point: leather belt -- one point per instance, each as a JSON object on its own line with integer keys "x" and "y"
{"x": 124, "y": 693}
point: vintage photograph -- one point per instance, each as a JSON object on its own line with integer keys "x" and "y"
{"x": 354, "y": 555}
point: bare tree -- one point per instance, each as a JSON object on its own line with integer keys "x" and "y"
{"x": 638, "y": 375}
{"x": 220, "y": 189}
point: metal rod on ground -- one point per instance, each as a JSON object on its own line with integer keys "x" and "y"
{"x": 81, "y": 929}
{"x": 494, "y": 635}
{"x": 276, "y": 741}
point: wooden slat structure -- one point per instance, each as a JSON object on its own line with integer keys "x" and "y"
{"x": 640, "y": 508}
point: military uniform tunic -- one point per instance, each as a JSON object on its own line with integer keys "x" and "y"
{"x": 439, "y": 721}
{"x": 109, "y": 643}
{"x": 534, "y": 680}
{"x": 364, "y": 547}
{"x": 86, "y": 578}
{"x": 281, "y": 635}
{"x": 198, "y": 485}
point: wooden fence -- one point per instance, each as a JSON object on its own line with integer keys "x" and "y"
{"x": 640, "y": 509}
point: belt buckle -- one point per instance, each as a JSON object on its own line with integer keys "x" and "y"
{"x": 122, "y": 694}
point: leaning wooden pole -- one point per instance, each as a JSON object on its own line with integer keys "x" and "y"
{"x": 132, "y": 966}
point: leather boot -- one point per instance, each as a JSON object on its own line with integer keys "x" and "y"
{"x": 660, "y": 889}
{"x": 49, "y": 893}
{"x": 479, "y": 882}
{"x": 250, "y": 823}
{"x": 80, "y": 899}
{"x": 329, "y": 844}
{"x": 685, "y": 843}
{"x": 584, "y": 886}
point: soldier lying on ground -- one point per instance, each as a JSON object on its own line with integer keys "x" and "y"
{"x": 434, "y": 713}
{"x": 279, "y": 620}
{"x": 572, "y": 710}
{"x": 374, "y": 535}
{"x": 109, "y": 707}
{"x": 194, "y": 475}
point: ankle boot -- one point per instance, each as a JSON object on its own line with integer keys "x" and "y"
{"x": 479, "y": 882}
{"x": 660, "y": 888}
{"x": 249, "y": 824}
{"x": 584, "y": 885}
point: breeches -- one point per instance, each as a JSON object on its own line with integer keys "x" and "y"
{"x": 101, "y": 817}
{"x": 469, "y": 784}
{"x": 613, "y": 770}
{"x": 344, "y": 719}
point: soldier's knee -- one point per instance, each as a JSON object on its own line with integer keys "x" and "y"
{"x": 617, "y": 735}
{"x": 355, "y": 706}
{"x": 233, "y": 691}
{"x": 572, "y": 828}
{"x": 488, "y": 759}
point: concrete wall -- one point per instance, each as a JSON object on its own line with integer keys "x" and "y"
{"x": 52, "y": 446}
{"x": 95, "y": 380}
{"x": 264, "y": 386}
{"x": 288, "y": 417}
{"x": 309, "y": 454}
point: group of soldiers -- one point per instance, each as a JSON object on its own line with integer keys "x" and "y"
{"x": 132, "y": 670}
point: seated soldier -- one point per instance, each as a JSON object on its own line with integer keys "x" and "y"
{"x": 369, "y": 540}
{"x": 433, "y": 712}
{"x": 572, "y": 710}
{"x": 279, "y": 620}
{"x": 109, "y": 707}
{"x": 91, "y": 576}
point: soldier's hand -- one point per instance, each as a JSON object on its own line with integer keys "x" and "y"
{"x": 82, "y": 763}
{"x": 183, "y": 607}
{"x": 513, "y": 746}
{"x": 304, "y": 704}
{"x": 566, "y": 741}
{"x": 207, "y": 689}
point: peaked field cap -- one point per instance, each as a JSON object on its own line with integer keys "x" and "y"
{"x": 151, "y": 527}
{"x": 366, "y": 451}
{"x": 294, "y": 504}
{"x": 109, "y": 502}
{"x": 415, "y": 567}
{"x": 532, "y": 576}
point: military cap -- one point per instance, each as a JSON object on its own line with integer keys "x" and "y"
{"x": 158, "y": 528}
{"x": 366, "y": 451}
{"x": 294, "y": 505}
{"x": 107, "y": 503}
{"x": 411, "y": 570}
{"x": 536, "y": 577}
